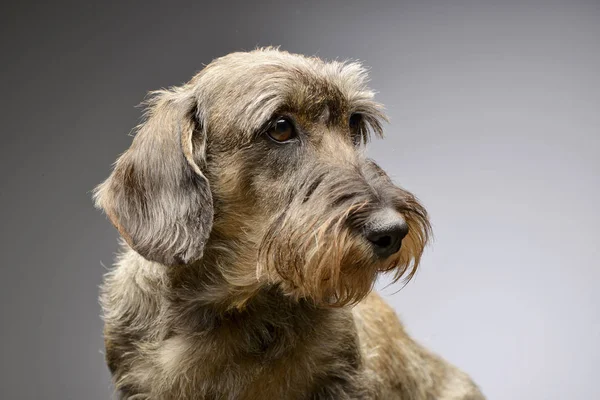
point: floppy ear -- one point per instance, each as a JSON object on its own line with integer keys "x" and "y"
{"x": 157, "y": 196}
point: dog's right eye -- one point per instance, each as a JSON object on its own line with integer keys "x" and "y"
{"x": 282, "y": 131}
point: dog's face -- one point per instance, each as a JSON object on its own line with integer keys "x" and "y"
{"x": 256, "y": 167}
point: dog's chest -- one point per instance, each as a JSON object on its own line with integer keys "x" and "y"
{"x": 298, "y": 374}
{"x": 280, "y": 361}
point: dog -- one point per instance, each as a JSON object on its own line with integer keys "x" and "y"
{"x": 253, "y": 230}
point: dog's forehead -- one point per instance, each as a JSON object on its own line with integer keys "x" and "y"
{"x": 255, "y": 86}
{"x": 279, "y": 67}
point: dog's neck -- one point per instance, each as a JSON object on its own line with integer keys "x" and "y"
{"x": 268, "y": 325}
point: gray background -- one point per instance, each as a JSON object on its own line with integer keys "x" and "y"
{"x": 495, "y": 125}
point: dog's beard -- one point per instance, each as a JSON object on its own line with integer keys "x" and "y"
{"x": 314, "y": 249}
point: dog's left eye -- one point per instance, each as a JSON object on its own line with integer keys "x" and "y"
{"x": 356, "y": 128}
{"x": 282, "y": 131}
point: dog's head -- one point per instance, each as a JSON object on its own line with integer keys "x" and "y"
{"x": 256, "y": 168}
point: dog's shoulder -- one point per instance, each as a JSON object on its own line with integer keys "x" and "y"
{"x": 403, "y": 367}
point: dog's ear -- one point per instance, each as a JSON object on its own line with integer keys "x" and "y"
{"x": 157, "y": 196}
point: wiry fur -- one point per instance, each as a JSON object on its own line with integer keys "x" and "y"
{"x": 244, "y": 273}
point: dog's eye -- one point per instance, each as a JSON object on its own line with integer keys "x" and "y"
{"x": 356, "y": 128}
{"x": 282, "y": 131}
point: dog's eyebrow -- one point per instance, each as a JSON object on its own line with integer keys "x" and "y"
{"x": 255, "y": 113}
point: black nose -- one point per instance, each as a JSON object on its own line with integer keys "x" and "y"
{"x": 385, "y": 229}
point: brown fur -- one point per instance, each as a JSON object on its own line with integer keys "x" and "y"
{"x": 244, "y": 273}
